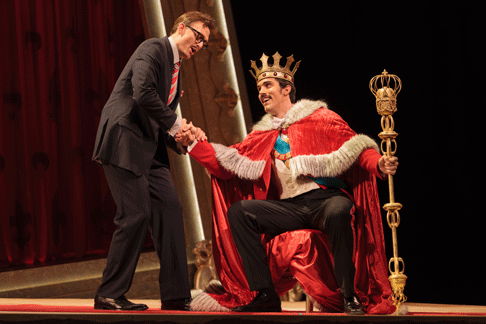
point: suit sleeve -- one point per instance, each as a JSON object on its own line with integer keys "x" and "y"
{"x": 173, "y": 145}
{"x": 146, "y": 77}
{"x": 204, "y": 154}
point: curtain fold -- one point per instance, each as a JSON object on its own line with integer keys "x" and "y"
{"x": 59, "y": 61}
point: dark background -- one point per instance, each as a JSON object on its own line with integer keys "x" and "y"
{"x": 437, "y": 50}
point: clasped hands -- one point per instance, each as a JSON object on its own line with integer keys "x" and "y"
{"x": 188, "y": 133}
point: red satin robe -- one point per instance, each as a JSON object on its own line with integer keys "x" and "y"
{"x": 304, "y": 255}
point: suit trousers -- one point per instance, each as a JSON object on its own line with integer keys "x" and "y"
{"x": 145, "y": 202}
{"x": 327, "y": 210}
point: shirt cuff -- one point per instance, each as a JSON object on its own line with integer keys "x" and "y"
{"x": 189, "y": 148}
{"x": 175, "y": 128}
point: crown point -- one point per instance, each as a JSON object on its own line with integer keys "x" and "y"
{"x": 290, "y": 60}
{"x": 264, "y": 59}
{"x": 296, "y": 66}
{"x": 276, "y": 59}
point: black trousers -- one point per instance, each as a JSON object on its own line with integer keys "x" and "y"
{"x": 325, "y": 210}
{"x": 146, "y": 202}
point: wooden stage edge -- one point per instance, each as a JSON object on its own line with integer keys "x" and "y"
{"x": 429, "y": 313}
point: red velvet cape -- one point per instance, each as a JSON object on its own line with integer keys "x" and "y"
{"x": 302, "y": 255}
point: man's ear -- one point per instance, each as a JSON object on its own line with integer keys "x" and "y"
{"x": 181, "y": 29}
{"x": 287, "y": 90}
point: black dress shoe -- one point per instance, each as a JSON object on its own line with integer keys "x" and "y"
{"x": 261, "y": 303}
{"x": 180, "y": 304}
{"x": 352, "y": 306}
{"x": 117, "y": 304}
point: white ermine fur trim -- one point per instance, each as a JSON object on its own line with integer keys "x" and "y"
{"x": 243, "y": 167}
{"x": 332, "y": 164}
{"x": 301, "y": 109}
{"x": 205, "y": 303}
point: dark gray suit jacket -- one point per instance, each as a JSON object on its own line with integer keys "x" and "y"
{"x": 135, "y": 120}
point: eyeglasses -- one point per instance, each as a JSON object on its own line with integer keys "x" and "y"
{"x": 199, "y": 37}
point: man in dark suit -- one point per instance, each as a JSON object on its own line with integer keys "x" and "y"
{"x": 137, "y": 124}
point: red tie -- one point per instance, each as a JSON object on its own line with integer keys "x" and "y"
{"x": 175, "y": 73}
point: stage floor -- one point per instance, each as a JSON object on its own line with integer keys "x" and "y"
{"x": 289, "y": 306}
{"x": 295, "y": 313}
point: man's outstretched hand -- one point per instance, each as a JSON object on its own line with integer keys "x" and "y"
{"x": 189, "y": 133}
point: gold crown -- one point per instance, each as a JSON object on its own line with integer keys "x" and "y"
{"x": 274, "y": 70}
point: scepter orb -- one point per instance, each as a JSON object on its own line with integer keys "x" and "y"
{"x": 385, "y": 88}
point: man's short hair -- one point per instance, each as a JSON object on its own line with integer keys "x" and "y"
{"x": 191, "y": 17}
{"x": 283, "y": 83}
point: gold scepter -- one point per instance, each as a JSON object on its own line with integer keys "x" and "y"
{"x": 385, "y": 88}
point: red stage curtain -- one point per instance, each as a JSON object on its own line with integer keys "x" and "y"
{"x": 59, "y": 61}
